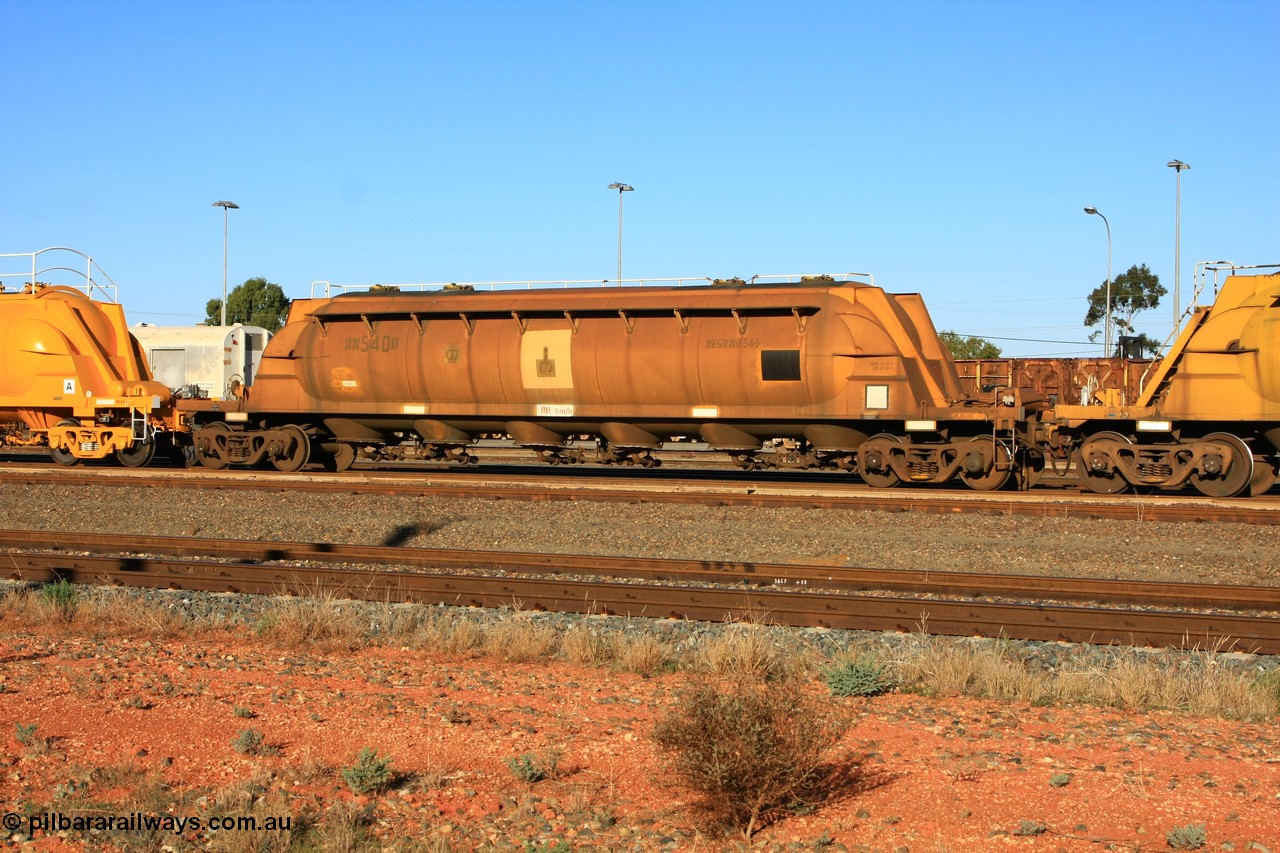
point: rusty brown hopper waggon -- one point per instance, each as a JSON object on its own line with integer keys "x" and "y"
{"x": 820, "y": 372}
{"x": 814, "y": 373}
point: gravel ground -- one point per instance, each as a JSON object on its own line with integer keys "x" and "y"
{"x": 1224, "y": 553}
{"x": 1147, "y": 550}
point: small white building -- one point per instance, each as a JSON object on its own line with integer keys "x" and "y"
{"x": 202, "y": 361}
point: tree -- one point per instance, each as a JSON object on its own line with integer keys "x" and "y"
{"x": 257, "y": 302}
{"x": 970, "y": 347}
{"x": 1136, "y": 289}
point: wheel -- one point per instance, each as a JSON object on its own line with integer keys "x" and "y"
{"x": 211, "y": 445}
{"x": 137, "y": 455}
{"x": 873, "y": 461}
{"x": 297, "y": 450}
{"x": 1264, "y": 477}
{"x": 1233, "y": 476}
{"x": 987, "y": 465}
{"x": 1096, "y": 463}
{"x": 339, "y": 457}
{"x": 61, "y": 455}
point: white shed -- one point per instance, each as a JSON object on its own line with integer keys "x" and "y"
{"x": 212, "y": 358}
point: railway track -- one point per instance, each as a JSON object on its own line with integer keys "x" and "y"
{"x": 716, "y": 488}
{"x": 964, "y": 604}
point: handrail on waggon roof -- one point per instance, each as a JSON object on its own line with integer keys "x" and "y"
{"x": 679, "y": 281}
{"x": 89, "y": 285}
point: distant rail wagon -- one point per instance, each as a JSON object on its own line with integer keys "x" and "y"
{"x": 217, "y": 362}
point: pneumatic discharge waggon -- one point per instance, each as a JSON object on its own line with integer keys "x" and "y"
{"x": 819, "y": 372}
{"x": 72, "y": 377}
{"x": 804, "y": 372}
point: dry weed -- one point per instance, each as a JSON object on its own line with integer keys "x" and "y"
{"x": 271, "y": 805}
{"x": 314, "y": 622}
{"x": 465, "y": 636}
{"x": 395, "y": 622}
{"x": 743, "y": 651}
{"x": 30, "y": 606}
{"x": 345, "y": 827}
{"x": 23, "y": 605}
{"x": 584, "y": 644}
{"x": 749, "y": 750}
{"x": 520, "y": 639}
{"x": 1196, "y": 684}
{"x": 644, "y": 654}
{"x": 309, "y": 767}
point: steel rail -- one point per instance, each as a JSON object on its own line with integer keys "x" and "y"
{"x": 756, "y": 493}
{"x": 845, "y": 578}
{"x": 829, "y": 610}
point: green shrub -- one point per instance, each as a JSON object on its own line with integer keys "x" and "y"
{"x": 1189, "y": 837}
{"x": 248, "y": 742}
{"x": 534, "y": 768}
{"x": 26, "y": 734}
{"x": 751, "y": 750}
{"x": 1030, "y": 827}
{"x": 857, "y": 678}
{"x": 369, "y": 774}
{"x": 61, "y": 594}
{"x": 1060, "y": 780}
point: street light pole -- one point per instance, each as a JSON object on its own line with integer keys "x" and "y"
{"x": 226, "y": 206}
{"x": 1106, "y": 335}
{"x": 621, "y": 188}
{"x": 1177, "y": 166}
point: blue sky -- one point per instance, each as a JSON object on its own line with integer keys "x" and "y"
{"x": 948, "y": 148}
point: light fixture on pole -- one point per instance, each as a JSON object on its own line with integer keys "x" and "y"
{"x": 1178, "y": 166}
{"x": 1106, "y": 335}
{"x": 621, "y": 188}
{"x": 226, "y": 206}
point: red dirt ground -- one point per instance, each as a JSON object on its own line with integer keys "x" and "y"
{"x": 942, "y": 774}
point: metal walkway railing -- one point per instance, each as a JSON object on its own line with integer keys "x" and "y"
{"x": 88, "y": 283}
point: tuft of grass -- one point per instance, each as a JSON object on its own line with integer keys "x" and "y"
{"x": 323, "y": 621}
{"x": 749, "y": 750}
{"x": 260, "y": 798}
{"x": 1060, "y": 780}
{"x": 644, "y": 654}
{"x": 585, "y": 645}
{"x": 346, "y": 827}
{"x": 1196, "y": 684}
{"x": 459, "y": 637}
{"x": 520, "y": 639}
{"x": 369, "y": 774}
{"x": 747, "y": 651}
